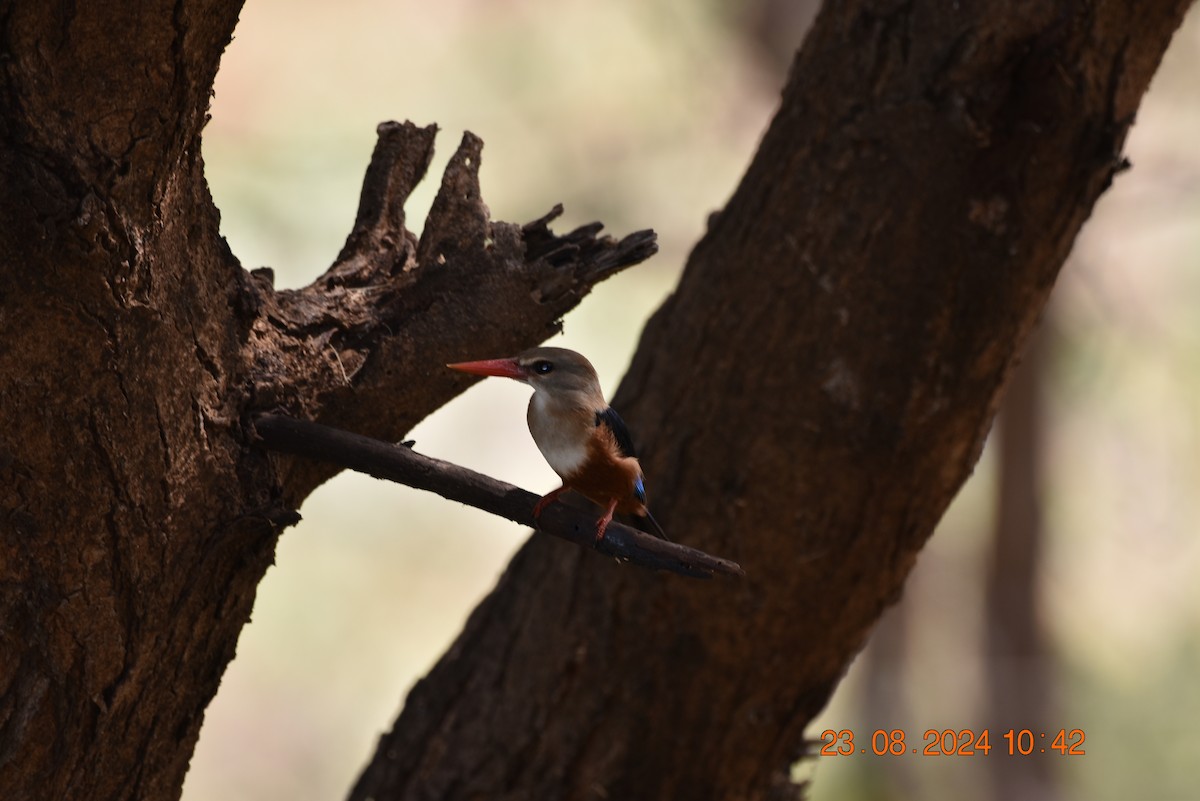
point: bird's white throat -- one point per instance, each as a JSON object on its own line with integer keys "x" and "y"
{"x": 558, "y": 434}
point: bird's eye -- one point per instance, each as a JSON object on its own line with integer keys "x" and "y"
{"x": 542, "y": 367}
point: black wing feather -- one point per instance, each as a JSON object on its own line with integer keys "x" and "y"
{"x": 616, "y": 425}
{"x": 620, "y": 431}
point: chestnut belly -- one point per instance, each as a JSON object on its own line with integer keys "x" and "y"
{"x": 605, "y": 481}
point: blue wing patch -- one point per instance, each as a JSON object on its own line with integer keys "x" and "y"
{"x": 639, "y": 490}
{"x": 616, "y": 425}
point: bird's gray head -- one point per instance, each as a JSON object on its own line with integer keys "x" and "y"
{"x": 560, "y": 373}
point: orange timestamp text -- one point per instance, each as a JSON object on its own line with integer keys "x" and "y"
{"x": 954, "y": 742}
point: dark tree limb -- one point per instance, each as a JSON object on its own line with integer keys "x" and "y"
{"x": 401, "y": 464}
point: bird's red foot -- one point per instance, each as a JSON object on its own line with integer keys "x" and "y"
{"x": 545, "y": 501}
{"x": 602, "y": 524}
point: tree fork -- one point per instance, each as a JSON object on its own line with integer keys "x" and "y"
{"x": 854, "y": 310}
{"x": 136, "y": 515}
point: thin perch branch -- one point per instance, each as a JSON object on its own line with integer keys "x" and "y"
{"x": 400, "y": 464}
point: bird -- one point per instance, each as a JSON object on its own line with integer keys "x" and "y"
{"x": 583, "y": 439}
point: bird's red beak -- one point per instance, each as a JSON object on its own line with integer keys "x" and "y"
{"x": 505, "y": 368}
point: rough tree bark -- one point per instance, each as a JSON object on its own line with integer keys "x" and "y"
{"x": 810, "y": 399}
{"x": 136, "y": 514}
{"x": 812, "y": 395}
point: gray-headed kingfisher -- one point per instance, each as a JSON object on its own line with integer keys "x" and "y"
{"x": 581, "y": 436}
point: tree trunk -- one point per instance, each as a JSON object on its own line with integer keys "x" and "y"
{"x": 810, "y": 398}
{"x": 809, "y": 401}
{"x": 1017, "y": 663}
{"x": 137, "y": 516}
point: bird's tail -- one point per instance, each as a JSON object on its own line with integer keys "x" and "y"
{"x": 648, "y": 524}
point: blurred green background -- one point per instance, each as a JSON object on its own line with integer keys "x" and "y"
{"x": 644, "y": 114}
